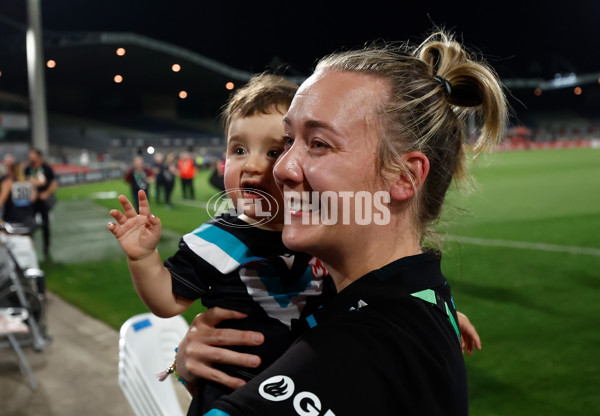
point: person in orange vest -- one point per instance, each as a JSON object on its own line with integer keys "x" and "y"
{"x": 187, "y": 171}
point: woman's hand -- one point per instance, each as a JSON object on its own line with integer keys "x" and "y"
{"x": 203, "y": 345}
{"x": 138, "y": 235}
{"x": 468, "y": 334}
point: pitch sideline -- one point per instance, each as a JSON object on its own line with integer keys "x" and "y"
{"x": 523, "y": 245}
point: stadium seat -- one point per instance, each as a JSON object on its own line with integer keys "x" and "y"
{"x": 147, "y": 347}
{"x": 12, "y": 322}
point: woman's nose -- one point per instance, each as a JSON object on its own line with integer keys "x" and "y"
{"x": 288, "y": 168}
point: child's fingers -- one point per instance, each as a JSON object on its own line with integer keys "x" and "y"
{"x": 128, "y": 209}
{"x": 143, "y": 203}
{"x": 154, "y": 221}
{"x": 214, "y": 316}
{"x": 118, "y": 216}
{"x": 477, "y": 341}
{"x": 153, "y": 224}
{"x": 474, "y": 339}
{"x": 112, "y": 227}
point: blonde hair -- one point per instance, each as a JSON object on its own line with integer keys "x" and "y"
{"x": 18, "y": 173}
{"x": 434, "y": 88}
{"x": 263, "y": 94}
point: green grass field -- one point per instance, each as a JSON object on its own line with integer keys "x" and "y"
{"x": 527, "y": 281}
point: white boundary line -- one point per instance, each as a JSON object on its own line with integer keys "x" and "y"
{"x": 457, "y": 238}
{"x": 523, "y": 245}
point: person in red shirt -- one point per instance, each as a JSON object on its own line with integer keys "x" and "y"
{"x": 187, "y": 171}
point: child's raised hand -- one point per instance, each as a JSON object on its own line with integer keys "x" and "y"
{"x": 468, "y": 334}
{"x": 138, "y": 235}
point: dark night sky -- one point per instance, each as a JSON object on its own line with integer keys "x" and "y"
{"x": 520, "y": 38}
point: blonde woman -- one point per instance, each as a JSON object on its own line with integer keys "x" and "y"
{"x": 17, "y": 197}
{"x": 383, "y": 130}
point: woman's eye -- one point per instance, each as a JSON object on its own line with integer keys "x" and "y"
{"x": 287, "y": 142}
{"x": 319, "y": 146}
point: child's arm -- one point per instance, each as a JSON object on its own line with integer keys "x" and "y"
{"x": 468, "y": 334}
{"x": 138, "y": 236}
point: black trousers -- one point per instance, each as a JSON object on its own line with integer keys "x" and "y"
{"x": 41, "y": 208}
{"x": 165, "y": 187}
{"x": 187, "y": 188}
{"x": 168, "y": 191}
{"x": 160, "y": 188}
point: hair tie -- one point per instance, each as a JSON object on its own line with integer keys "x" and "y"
{"x": 445, "y": 84}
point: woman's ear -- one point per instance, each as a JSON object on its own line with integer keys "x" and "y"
{"x": 412, "y": 179}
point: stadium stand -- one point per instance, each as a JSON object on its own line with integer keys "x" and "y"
{"x": 88, "y": 111}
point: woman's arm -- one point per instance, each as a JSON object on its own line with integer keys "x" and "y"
{"x": 5, "y": 187}
{"x": 48, "y": 192}
{"x": 204, "y": 344}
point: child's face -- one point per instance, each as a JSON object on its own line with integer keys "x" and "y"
{"x": 253, "y": 145}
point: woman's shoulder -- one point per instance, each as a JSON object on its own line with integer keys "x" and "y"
{"x": 408, "y": 323}
{"x": 361, "y": 362}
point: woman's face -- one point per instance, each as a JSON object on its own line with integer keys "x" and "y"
{"x": 332, "y": 136}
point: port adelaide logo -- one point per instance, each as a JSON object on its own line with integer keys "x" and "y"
{"x": 277, "y": 389}
{"x": 280, "y": 388}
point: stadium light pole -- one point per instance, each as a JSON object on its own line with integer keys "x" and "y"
{"x": 35, "y": 76}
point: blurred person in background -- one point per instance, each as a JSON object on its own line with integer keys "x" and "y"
{"x": 187, "y": 171}
{"x": 139, "y": 177}
{"x": 169, "y": 174}
{"x": 7, "y": 163}
{"x": 158, "y": 169}
{"x": 218, "y": 173}
{"x": 42, "y": 177}
{"x": 84, "y": 158}
{"x": 17, "y": 197}
{"x": 200, "y": 161}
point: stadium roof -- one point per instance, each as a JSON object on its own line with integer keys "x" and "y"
{"x": 83, "y": 78}
{"x": 218, "y": 42}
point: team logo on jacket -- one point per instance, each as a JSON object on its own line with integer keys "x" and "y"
{"x": 277, "y": 388}
{"x": 280, "y": 388}
{"x": 317, "y": 268}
